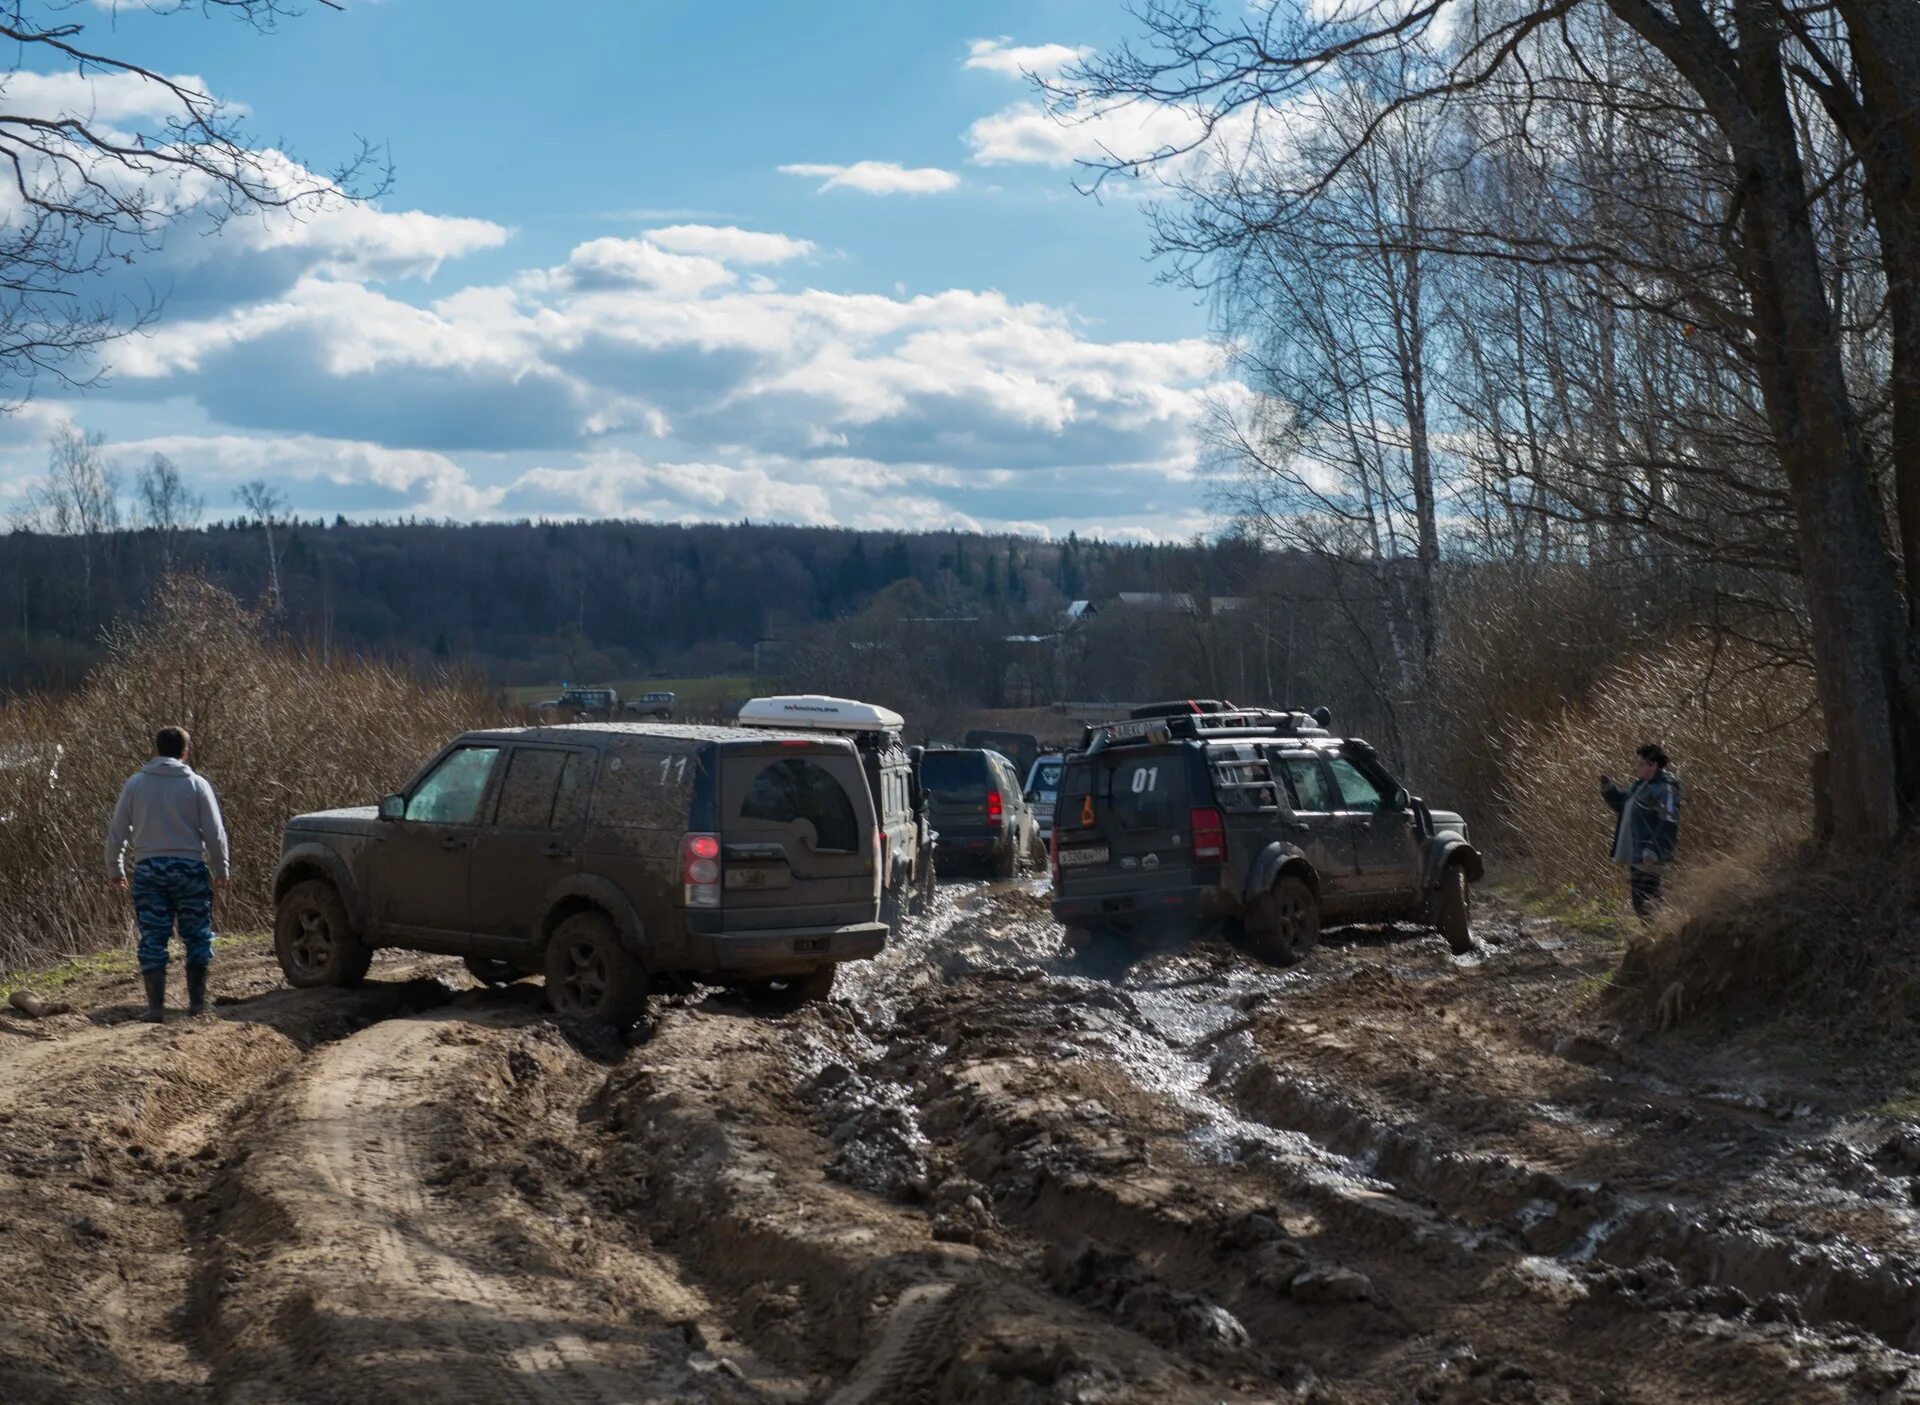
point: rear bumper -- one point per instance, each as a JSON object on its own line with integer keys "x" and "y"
{"x": 792, "y": 951}
{"x": 1184, "y": 902}
{"x": 976, "y": 846}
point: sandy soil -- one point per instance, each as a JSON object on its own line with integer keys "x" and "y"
{"x": 988, "y": 1171}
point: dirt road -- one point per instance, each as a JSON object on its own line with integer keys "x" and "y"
{"x": 988, "y": 1171}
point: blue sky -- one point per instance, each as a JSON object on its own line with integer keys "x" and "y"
{"x": 593, "y": 288}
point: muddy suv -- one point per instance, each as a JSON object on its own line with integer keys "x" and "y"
{"x": 579, "y": 705}
{"x": 979, "y": 811}
{"x": 893, "y": 780}
{"x": 608, "y": 856}
{"x": 1257, "y": 818}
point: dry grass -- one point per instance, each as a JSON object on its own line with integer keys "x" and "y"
{"x": 1828, "y": 944}
{"x": 1741, "y": 735}
{"x": 274, "y": 729}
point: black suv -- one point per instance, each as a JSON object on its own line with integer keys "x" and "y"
{"x": 607, "y": 856}
{"x": 980, "y": 813}
{"x": 1257, "y": 817}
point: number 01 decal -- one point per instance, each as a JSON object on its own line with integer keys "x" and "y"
{"x": 1146, "y": 780}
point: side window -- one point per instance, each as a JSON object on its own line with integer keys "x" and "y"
{"x": 451, "y": 795}
{"x": 541, "y": 789}
{"x": 1357, "y": 791}
{"x": 1307, "y": 784}
{"x": 797, "y": 789}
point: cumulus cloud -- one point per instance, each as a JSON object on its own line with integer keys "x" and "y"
{"x": 877, "y": 177}
{"x": 412, "y": 481}
{"x": 1012, "y": 60}
{"x": 729, "y": 244}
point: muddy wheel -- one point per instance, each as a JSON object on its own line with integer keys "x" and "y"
{"x": 591, "y": 976}
{"x": 1283, "y": 925}
{"x": 1007, "y": 865}
{"x": 922, "y": 899}
{"x": 492, "y": 971}
{"x": 1453, "y": 910}
{"x": 314, "y": 940}
{"x": 1036, "y": 853}
{"x": 893, "y": 912}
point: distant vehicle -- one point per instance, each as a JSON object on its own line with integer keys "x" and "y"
{"x": 1018, "y": 747}
{"x": 979, "y": 810}
{"x": 906, "y": 832}
{"x": 1259, "y": 818}
{"x": 1042, "y": 789}
{"x": 578, "y": 705}
{"x": 609, "y": 856}
{"x": 660, "y": 705}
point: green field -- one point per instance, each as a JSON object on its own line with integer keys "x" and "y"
{"x": 694, "y": 695}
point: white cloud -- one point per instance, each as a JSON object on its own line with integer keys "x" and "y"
{"x": 425, "y": 483}
{"x": 110, "y": 99}
{"x": 605, "y": 264}
{"x": 1004, "y": 57}
{"x": 729, "y": 244}
{"x": 878, "y": 177}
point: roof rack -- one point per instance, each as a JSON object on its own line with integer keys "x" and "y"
{"x": 1205, "y": 726}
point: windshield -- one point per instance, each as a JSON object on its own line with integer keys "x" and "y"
{"x": 1045, "y": 779}
{"x": 955, "y": 777}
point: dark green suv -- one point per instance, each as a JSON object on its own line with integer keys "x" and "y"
{"x": 608, "y": 856}
{"x": 1258, "y": 818}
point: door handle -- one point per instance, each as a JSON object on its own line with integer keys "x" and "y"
{"x": 456, "y": 841}
{"x": 557, "y": 851}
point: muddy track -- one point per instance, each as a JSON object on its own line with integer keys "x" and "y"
{"x": 987, "y": 1172}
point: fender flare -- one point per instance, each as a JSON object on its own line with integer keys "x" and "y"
{"x": 581, "y": 891}
{"x": 1448, "y": 851}
{"x": 1276, "y": 859}
{"x": 315, "y": 860}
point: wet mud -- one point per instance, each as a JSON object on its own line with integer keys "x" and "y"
{"x": 990, "y": 1170}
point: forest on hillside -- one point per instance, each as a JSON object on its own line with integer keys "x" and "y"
{"x": 532, "y": 602}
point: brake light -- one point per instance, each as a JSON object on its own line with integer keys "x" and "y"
{"x": 1209, "y": 836}
{"x": 700, "y": 870}
{"x": 995, "y": 807}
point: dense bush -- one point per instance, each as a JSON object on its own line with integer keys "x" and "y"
{"x": 276, "y": 730}
{"x": 1740, "y": 731}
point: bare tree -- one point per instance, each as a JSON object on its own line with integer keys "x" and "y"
{"x": 167, "y": 505}
{"x": 79, "y": 497}
{"x": 1755, "y": 111}
{"x": 264, "y": 503}
{"x": 88, "y": 196}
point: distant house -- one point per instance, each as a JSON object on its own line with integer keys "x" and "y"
{"x": 1182, "y": 602}
{"x": 1081, "y": 610}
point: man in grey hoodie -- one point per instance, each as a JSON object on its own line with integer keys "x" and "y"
{"x": 170, "y": 816}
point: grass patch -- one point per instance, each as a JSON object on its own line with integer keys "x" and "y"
{"x": 1580, "y": 910}
{"x": 101, "y": 965}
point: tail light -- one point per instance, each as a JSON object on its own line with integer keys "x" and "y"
{"x": 1209, "y": 836}
{"x": 995, "y": 807}
{"x": 700, "y": 870}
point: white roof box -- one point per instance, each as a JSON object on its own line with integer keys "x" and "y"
{"x": 813, "y": 712}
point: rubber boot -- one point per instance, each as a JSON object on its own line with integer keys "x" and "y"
{"x": 196, "y": 990}
{"x": 156, "y": 995}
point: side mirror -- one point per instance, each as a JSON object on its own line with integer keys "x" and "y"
{"x": 1401, "y": 800}
{"x": 393, "y": 807}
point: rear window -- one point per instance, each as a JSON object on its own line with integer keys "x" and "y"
{"x": 1046, "y": 778}
{"x": 1145, "y": 790}
{"x": 796, "y": 789}
{"x": 955, "y": 777}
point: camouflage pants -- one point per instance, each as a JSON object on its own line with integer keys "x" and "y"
{"x": 165, "y": 890}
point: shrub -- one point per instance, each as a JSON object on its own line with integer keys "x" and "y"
{"x": 1740, "y": 731}
{"x": 276, "y": 730}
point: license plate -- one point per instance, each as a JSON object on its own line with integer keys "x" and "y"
{"x": 759, "y": 877}
{"x": 1082, "y": 858}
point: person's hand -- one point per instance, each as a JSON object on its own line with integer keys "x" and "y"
{"x": 1606, "y": 780}
{"x": 119, "y": 885}
{"x": 221, "y": 884}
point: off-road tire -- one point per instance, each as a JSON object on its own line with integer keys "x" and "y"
{"x": 314, "y": 938}
{"x": 922, "y": 900}
{"x": 1036, "y": 852}
{"x": 1452, "y": 907}
{"x": 1283, "y": 924}
{"x": 491, "y": 970}
{"x": 893, "y": 911}
{"x": 1007, "y": 865}
{"x": 591, "y": 976}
